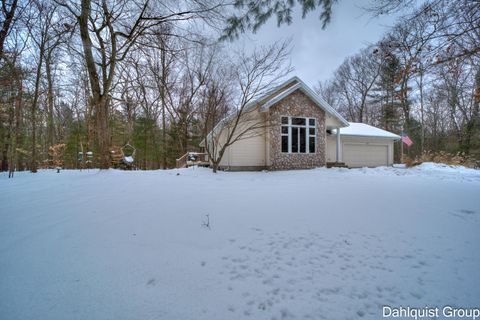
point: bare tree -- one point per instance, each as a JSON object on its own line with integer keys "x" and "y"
{"x": 45, "y": 33}
{"x": 253, "y": 76}
{"x": 352, "y": 86}
{"x": 455, "y": 24}
{"x": 109, "y": 30}
{"x": 8, "y": 16}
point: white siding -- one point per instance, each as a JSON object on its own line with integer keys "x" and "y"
{"x": 249, "y": 151}
{"x": 331, "y": 148}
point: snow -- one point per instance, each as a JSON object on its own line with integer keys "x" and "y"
{"x": 309, "y": 244}
{"x": 128, "y": 159}
{"x": 365, "y": 130}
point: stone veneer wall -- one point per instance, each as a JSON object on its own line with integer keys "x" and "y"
{"x": 296, "y": 104}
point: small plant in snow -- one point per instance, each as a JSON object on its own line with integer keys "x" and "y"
{"x": 206, "y": 224}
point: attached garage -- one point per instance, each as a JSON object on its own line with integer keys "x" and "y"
{"x": 363, "y": 145}
{"x": 365, "y": 154}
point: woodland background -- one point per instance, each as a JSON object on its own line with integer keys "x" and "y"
{"x": 94, "y": 75}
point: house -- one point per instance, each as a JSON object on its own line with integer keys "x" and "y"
{"x": 300, "y": 130}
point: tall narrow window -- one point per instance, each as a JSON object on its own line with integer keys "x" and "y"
{"x": 312, "y": 135}
{"x": 285, "y": 130}
{"x": 298, "y": 135}
{"x": 295, "y": 139}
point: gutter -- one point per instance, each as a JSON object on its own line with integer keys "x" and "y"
{"x": 369, "y": 136}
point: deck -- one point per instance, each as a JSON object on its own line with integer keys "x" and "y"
{"x": 190, "y": 159}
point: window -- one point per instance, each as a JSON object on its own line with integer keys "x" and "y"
{"x": 298, "y": 135}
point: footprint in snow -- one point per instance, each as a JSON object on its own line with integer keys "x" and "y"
{"x": 416, "y": 295}
{"x": 464, "y": 214}
{"x": 360, "y": 313}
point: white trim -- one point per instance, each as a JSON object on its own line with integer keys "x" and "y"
{"x": 369, "y": 136}
{"x": 307, "y": 127}
{"x": 312, "y": 95}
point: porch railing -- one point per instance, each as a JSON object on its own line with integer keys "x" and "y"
{"x": 192, "y": 159}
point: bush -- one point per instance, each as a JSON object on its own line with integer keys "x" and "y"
{"x": 458, "y": 159}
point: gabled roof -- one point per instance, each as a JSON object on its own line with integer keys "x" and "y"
{"x": 365, "y": 130}
{"x": 300, "y": 85}
{"x": 276, "y": 94}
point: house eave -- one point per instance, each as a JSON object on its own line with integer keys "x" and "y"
{"x": 312, "y": 95}
{"x": 369, "y": 136}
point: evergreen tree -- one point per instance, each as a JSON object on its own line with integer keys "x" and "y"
{"x": 387, "y": 93}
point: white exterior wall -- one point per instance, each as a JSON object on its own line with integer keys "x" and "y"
{"x": 249, "y": 151}
{"x": 331, "y": 148}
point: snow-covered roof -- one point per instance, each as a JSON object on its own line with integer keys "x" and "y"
{"x": 365, "y": 130}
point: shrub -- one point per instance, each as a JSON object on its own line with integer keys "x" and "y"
{"x": 458, "y": 159}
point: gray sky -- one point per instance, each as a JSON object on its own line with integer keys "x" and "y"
{"x": 317, "y": 53}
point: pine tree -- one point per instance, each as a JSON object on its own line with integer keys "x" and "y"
{"x": 388, "y": 93}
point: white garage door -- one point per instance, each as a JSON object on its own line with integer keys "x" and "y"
{"x": 365, "y": 155}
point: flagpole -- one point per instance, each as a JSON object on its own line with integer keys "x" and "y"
{"x": 401, "y": 149}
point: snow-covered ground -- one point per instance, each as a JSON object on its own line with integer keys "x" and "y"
{"x": 312, "y": 244}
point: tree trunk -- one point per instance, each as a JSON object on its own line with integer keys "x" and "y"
{"x": 100, "y": 91}
{"x": 162, "y": 96}
{"x": 103, "y": 135}
{"x": 6, "y": 25}
{"x": 14, "y": 137}
{"x": 5, "y": 154}
{"x": 90, "y": 124}
{"x": 422, "y": 116}
{"x": 185, "y": 135}
{"x": 7, "y": 139}
{"x": 50, "y": 124}
{"x": 33, "y": 111}
{"x": 472, "y": 126}
{"x": 146, "y": 130}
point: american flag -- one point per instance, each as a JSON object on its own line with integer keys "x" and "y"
{"x": 406, "y": 139}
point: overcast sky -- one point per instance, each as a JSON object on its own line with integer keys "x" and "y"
{"x": 317, "y": 53}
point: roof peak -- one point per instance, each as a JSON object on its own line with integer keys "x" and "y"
{"x": 279, "y": 93}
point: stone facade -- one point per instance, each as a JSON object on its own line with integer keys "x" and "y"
{"x": 296, "y": 104}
